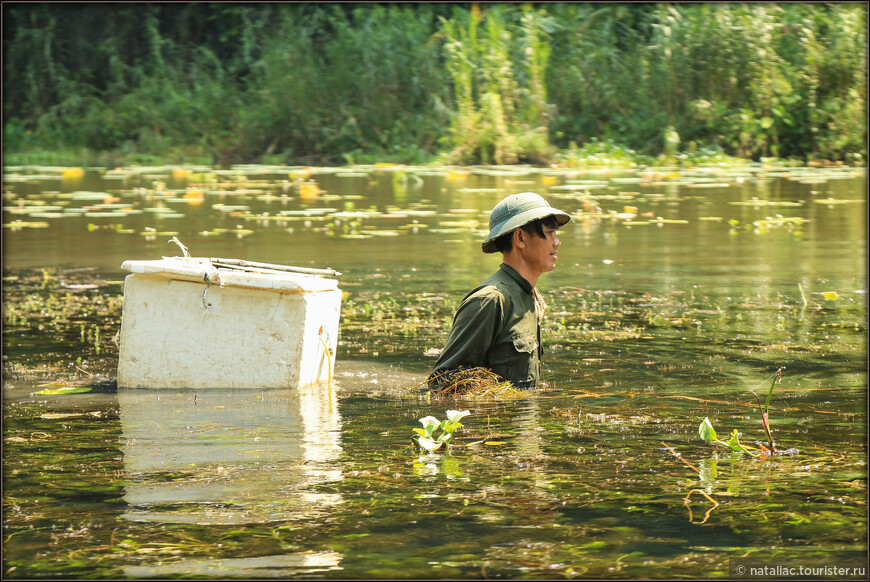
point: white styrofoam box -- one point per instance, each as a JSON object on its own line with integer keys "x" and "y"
{"x": 186, "y": 324}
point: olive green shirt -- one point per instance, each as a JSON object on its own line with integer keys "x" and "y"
{"x": 498, "y": 327}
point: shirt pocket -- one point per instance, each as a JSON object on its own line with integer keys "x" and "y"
{"x": 523, "y": 360}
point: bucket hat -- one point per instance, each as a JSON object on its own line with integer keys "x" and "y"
{"x": 515, "y": 211}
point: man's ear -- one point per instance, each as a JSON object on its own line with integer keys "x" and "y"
{"x": 519, "y": 238}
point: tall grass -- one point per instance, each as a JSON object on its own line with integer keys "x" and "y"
{"x": 754, "y": 79}
{"x": 490, "y": 83}
{"x": 498, "y": 69}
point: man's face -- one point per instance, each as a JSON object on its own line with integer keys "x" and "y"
{"x": 541, "y": 253}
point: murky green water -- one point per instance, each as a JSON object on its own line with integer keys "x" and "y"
{"x": 655, "y": 321}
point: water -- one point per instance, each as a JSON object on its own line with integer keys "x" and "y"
{"x": 655, "y": 322}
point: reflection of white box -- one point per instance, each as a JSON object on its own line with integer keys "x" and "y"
{"x": 229, "y": 455}
{"x": 188, "y": 324}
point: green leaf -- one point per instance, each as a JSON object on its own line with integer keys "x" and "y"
{"x": 735, "y": 445}
{"x": 706, "y": 431}
{"x": 67, "y": 390}
{"x": 766, "y": 122}
{"x": 769, "y": 394}
{"x": 430, "y": 423}
{"x": 420, "y": 431}
{"x": 734, "y": 442}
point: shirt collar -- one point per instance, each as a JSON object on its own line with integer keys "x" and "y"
{"x": 514, "y": 274}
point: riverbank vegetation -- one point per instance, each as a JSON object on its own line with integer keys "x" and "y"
{"x": 324, "y": 83}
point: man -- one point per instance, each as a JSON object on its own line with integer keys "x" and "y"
{"x": 498, "y": 324}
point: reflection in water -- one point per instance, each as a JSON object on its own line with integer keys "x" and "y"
{"x": 243, "y": 568}
{"x": 229, "y": 456}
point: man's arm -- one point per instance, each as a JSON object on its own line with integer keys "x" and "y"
{"x": 475, "y": 325}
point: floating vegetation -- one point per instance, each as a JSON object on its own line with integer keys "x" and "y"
{"x": 62, "y": 388}
{"x": 376, "y": 232}
{"x": 708, "y": 433}
{"x": 32, "y": 192}
{"x": 19, "y": 224}
{"x": 708, "y": 185}
{"x": 83, "y": 196}
{"x": 152, "y": 232}
{"x": 758, "y": 203}
{"x": 238, "y": 232}
{"x": 835, "y": 201}
{"x": 659, "y": 220}
{"x": 227, "y": 208}
{"x": 36, "y": 207}
{"x": 309, "y": 212}
{"x": 426, "y": 438}
{"x": 764, "y": 226}
{"x": 473, "y": 383}
{"x": 83, "y": 314}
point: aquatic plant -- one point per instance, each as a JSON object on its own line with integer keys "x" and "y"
{"x": 708, "y": 433}
{"x": 82, "y": 311}
{"x": 764, "y": 418}
{"x": 426, "y": 438}
{"x": 476, "y": 382}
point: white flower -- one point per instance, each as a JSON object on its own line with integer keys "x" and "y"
{"x": 430, "y": 421}
{"x": 429, "y": 444}
{"x": 456, "y": 415}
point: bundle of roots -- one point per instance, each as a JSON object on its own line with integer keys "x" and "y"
{"x": 474, "y": 383}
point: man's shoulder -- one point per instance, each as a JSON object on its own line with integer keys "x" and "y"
{"x": 499, "y": 288}
{"x": 485, "y": 292}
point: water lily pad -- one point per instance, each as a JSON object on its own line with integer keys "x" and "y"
{"x": 89, "y": 195}
{"x": 308, "y": 212}
{"x": 18, "y": 224}
{"x": 24, "y": 210}
{"x": 159, "y": 233}
{"x": 357, "y": 214}
{"x": 759, "y": 203}
{"x": 108, "y": 214}
{"x": 230, "y": 208}
{"x": 48, "y": 215}
{"x": 833, "y": 201}
{"x": 382, "y": 232}
{"x": 66, "y": 390}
